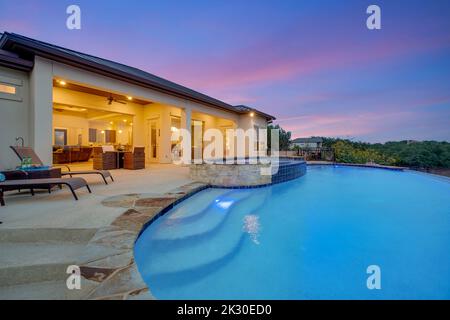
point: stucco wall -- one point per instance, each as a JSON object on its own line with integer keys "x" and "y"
{"x": 14, "y": 118}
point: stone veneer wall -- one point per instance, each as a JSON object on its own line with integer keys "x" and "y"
{"x": 229, "y": 175}
{"x": 246, "y": 175}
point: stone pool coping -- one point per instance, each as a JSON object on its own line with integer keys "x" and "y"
{"x": 107, "y": 266}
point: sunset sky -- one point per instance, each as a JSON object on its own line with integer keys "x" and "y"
{"x": 312, "y": 64}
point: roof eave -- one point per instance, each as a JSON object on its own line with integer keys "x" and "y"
{"x": 11, "y": 42}
{"x": 104, "y": 70}
{"x": 16, "y": 63}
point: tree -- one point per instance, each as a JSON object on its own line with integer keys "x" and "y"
{"x": 415, "y": 154}
{"x": 284, "y": 137}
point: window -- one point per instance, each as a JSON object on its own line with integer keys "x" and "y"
{"x": 7, "y": 89}
{"x": 60, "y": 137}
{"x": 11, "y": 88}
{"x": 92, "y": 135}
{"x": 110, "y": 136}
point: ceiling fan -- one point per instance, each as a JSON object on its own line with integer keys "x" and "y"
{"x": 111, "y": 99}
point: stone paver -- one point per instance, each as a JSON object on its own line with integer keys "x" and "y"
{"x": 108, "y": 265}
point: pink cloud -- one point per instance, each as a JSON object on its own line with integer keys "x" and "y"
{"x": 345, "y": 125}
{"x": 250, "y": 66}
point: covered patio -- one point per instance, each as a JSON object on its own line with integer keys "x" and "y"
{"x": 85, "y": 117}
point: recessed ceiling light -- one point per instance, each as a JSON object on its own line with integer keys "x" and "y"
{"x": 111, "y": 122}
{"x": 124, "y": 120}
{"x": 62, "y": 82}
{"x": 130, "y": 98}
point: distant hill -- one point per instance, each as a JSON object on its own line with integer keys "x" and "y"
{"x": 408, "y": 153}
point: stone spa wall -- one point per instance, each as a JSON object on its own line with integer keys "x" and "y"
{"x": 245, "y": 175}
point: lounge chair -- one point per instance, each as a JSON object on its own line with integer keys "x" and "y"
{"x": 104, "y": 173}
{"x": 72, "y": 183}
{"x": 28, "y": 152}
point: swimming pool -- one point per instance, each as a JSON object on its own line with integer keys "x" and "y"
{"x": 309, "y": 238}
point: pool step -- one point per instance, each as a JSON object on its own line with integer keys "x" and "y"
{"x": 197, "y": 205}
{"x": 23, "y": 262}
{"x": 216, "y": 213}
{"x": 174, "y": 261}
{"x": 189, "y": 258}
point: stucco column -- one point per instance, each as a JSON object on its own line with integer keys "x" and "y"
{"x": 165, "y": 155}
{"x": 139, "y": 130}
{"x": 41, "y": 106}
{"x": 186, "y": 119}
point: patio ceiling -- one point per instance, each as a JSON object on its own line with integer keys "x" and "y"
{"x": 92, "y": 114}
{"x": 85, "y": 89}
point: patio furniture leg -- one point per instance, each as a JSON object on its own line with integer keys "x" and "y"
{"x": 89, "y": 189}
{"x": 32, "y": 191}
{"x": 104, "y": 179}
{"x": 73, "y": 192}
{"x": 112, "y": 178}
{"x": 2, "y": 201}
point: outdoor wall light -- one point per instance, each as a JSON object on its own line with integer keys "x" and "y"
{"x": 252, "y": 114}
{"x": 103, "y": 131}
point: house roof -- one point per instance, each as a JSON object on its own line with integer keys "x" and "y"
{"x": 308, "y": 140}
{"x": 246, "y": 109}
{"x": 10, "y": 60}
{"x": 27, "y": 47}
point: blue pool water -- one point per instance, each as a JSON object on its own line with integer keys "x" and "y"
{"x": 310, "y": 238}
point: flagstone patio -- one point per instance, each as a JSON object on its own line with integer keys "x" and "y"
{"x": 96, "y": 233}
